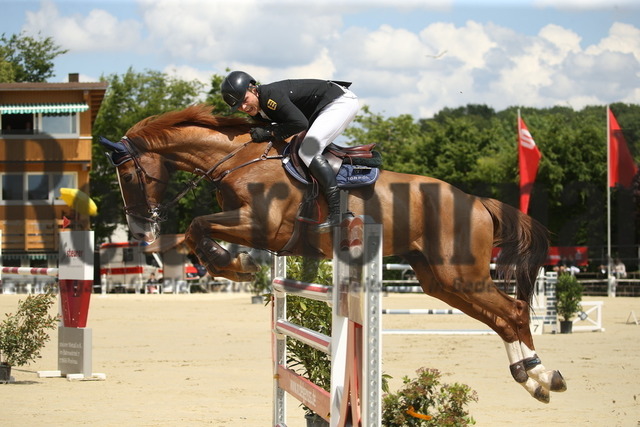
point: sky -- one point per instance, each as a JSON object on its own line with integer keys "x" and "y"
{"x": 403, "y": 56}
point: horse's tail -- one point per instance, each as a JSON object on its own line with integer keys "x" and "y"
{"x": 524, "y": 243}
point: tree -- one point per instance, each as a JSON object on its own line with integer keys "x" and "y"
{"x": 396, "y": 139}
{"x": 27, "y": 59}
{"x": 130, "y": 98}
{"x": 214, "y": 97}
{"x": 475, "y": 148}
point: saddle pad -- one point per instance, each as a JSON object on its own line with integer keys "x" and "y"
{"x": 349, "y": 176}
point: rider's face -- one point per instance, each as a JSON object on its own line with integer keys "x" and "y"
{"x": 251, "y": 104}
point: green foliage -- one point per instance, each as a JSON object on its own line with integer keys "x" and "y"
{"x": 262, "y": 282}
{"x": 23, "y": 334}
{"x": 425, "y": 395}
{"x": 316, "y": 315}
{"x": 214, "y": 98}
{"x": 397, "y": 139}
{"x": 27, "y": 59}
{"x": 568, "y": 296}
{"x": 475, "y": 148}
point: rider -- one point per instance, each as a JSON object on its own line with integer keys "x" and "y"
{"x": 322, "y": 107}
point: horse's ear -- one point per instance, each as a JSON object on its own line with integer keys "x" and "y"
{"x": 118, "y": 153}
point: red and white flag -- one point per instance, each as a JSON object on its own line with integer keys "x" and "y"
{"x": 529, "y": 158}
{"x": 622, "y": 168}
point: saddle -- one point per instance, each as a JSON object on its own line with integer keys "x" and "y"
{"x": 355, "y": 166}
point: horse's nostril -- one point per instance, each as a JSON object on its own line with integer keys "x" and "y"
{"x": 138, "y": 236}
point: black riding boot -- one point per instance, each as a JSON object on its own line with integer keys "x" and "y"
{"x": 323, "y": 173}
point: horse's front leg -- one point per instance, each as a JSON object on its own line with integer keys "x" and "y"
{"x": 228, "y": 226}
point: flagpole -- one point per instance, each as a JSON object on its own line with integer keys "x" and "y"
{"x": 518, "y": 148}
{"x": 610, "y": 284}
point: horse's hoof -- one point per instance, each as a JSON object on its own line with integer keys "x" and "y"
{"x": 557, "y": 382}
{"x": 245, "y": 277}
{"x": 247, "y": 263}
{"x": 542, "y": 395}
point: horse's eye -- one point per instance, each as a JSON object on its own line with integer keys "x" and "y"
{"x": 127, "y": 177}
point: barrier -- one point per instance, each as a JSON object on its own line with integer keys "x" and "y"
{"x": 355, "y": 341}
{"x": 544, "y": 304}
{"x": 544, "y": 318}
{"x": 75, "y": 283}
{"x": 588, "y": 319}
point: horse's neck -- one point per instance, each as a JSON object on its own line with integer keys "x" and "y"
{"x": 203, "y": 152}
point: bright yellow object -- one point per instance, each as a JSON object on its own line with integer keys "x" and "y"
{"x": 79, "y": 201}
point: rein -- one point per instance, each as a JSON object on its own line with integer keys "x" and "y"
{"x": 158, "y": 210}
{"x": 193, "y": 183}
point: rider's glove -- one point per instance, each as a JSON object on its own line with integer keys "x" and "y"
{"x": 260, "y": 134}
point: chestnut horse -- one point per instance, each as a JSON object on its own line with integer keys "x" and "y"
{"x": 445, "y": 234}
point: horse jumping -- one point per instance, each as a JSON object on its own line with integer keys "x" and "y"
{"x": 445, "y": 234}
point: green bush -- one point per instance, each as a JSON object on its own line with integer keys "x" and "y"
{"x": 23, "y": 334}
{"x": 425, "y": 397}
{"x": 261, "y": 284}
{"x": 568, "y": 296}
{"x": 312, "y": 314}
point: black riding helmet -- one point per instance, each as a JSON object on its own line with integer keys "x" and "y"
{"x": 234, "y": 88}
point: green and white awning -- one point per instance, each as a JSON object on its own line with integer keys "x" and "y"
{"x": 43, "y": 108}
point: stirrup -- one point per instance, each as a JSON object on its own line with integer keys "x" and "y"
{"x": 332, "y": 221}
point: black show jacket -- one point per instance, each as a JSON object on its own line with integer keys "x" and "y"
{"x": 294, "y": 104}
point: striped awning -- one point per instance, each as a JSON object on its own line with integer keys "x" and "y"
{"x": 43, "y": 108}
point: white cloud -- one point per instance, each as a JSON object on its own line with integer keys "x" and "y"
{"x": 583, "y": 4}
{"x": 275, "y": 34}
{"x": 395, "y": 69}
{"x": 99, "y": 31}
{"x": 622, "y": 38}
{"x": 468, "y": 44}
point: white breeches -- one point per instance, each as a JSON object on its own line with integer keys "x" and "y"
{"x": 330, "y": 123}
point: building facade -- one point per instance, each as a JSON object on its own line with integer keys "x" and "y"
{"x": 45, "y": 145}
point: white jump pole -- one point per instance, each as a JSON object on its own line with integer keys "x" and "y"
{"x": 355, "y": 341}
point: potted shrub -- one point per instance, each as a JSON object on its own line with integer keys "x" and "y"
{"x": 424, "y": 401}
{"x": 568, "y": 297}
{"x": 24, "y": 333}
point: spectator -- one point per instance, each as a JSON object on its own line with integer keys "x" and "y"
{"x": 152, "y": 284}
{"x": 619, "y": 269}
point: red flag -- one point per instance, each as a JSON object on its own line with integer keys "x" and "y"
{"x": 529, "y": 157}
{"x": 622, "y": 168}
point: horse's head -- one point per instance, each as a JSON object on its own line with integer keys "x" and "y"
{"x": 143, "y": 179}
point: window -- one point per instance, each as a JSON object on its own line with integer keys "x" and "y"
{"x": 128, "y": 254}
{"x": 58, "y": 181}
{"x": 40, "y": 123}
{"x": 39, "y": 186}
{"x": 60, "y": 123}
{"x": 12, "y": 187}
{"x": 17, "y": 124}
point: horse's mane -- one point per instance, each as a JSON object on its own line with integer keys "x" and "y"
{"x": 160, "y": 126}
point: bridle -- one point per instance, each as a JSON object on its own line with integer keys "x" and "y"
{"x": 158, "y": 211}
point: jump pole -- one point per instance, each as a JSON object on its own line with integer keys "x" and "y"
{"x": 541, "y": 314}
{"x": 355, "y": 341}
{"x": 75, "y": 283}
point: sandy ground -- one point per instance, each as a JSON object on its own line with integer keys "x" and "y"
{"x": 174, "y": 360}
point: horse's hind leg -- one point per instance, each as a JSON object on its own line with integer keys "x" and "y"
{"x": 512, "y": 324}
